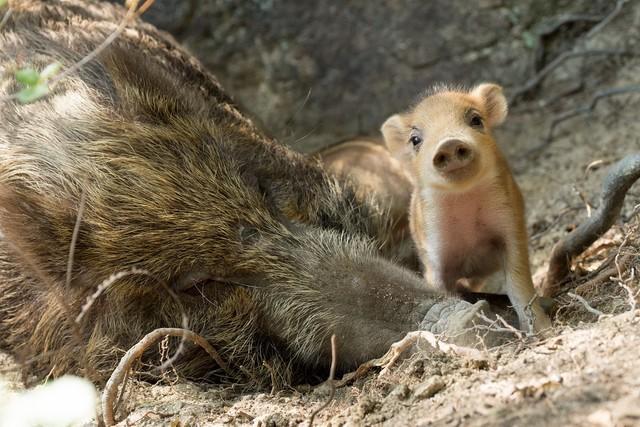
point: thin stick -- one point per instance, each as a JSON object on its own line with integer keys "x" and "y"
{"x": 134, "y": 353}
{"x": 131, "y": 14}
{"x": 332, "y": 374}
{"x": 74, "y": 237}
{"x": 586, "y": 305}
{"x": 585, "y": 109}
{"x": 506, "y": 327}
{"x": 106, "y": 283}
{"x": 572, "y": 53}
{"x": 5, "y": 18}
{"x": 398, "y": 348}
{"x": 122, "y": 390}
{"x": 615, "y": 12}
{"x": 534, "y": 81}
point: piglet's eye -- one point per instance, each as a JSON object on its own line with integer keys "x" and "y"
{"x": 475, "y": 121}
{"x": 415, "y": 140}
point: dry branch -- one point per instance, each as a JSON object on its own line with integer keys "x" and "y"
{"x": 398, "y": 348}
{"x": 134, "y": 353}
{"x": 332, "y": 375}
{"x": 586, "y": 305}
{"x": 534, "y": 81}
{"x": 585, "y": 109}
{"x": 620, "y": 178}
{"x": 5, "y": 18}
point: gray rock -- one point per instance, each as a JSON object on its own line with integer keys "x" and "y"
{"x": 429, "y": 388}
{"x": 400, "y": 392}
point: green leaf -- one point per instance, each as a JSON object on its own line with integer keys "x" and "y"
{"x": 50, "y": 70}
{"x": 32, "y": 93}
{"x": 530, "y": 40}
{"x": 28, "y": 76}
{"x": 2, "y": 3}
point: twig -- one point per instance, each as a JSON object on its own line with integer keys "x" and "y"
{"x": 272, "y": 373}
{"x": 134, "y": 354}
{"x": 506, "y": 327}
{"x": 620, "y": 178}
{"x": 584, "y": 200}
{"x": 398, "y": 348}
{"x": 74, "y": 236}
{"x": 332, "y": 374}
{"x": 132, "y": 13}
{"x": 585, "y": 109}
{"x": 619, "y": 279}
{"x": 534, "y": 81}
{"x": 5, "y": 18}
{"x": 76, "y": 332}
{"x": 586, "y": 305}
{"x": 572, "y": 53}
{"x": 106, "y": 283}
{"x": 594, "y": 165}
{"x": 614, "y": 13}
{"x": 122, "y": 390}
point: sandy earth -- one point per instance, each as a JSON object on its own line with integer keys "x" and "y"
{"x": 586, "y": 374}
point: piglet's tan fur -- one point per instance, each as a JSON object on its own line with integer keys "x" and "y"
{"x": 467, "y": 212}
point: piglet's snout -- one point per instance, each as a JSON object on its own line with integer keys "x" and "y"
{"x": 452, "y": 155}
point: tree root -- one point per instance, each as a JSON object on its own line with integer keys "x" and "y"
{"x": 585, "y": 109}
{"x": 330, "y": 380}
{"x": 134, "y": 353}
{"x": 620, "y": 178}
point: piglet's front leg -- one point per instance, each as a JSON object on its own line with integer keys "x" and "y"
{"x": 520, "y": 289}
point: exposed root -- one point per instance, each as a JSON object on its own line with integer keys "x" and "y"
{"x": 586, "y": 305}
{"x": 330, "y": 380}
{"x": 133, "y": 355}
{"x": 497, "y": 325}
{"x": 399, "y": 348}
{"x": 534, "y": 81}
{"x": 620, "y": 178}
{"x": 585, "y": 109}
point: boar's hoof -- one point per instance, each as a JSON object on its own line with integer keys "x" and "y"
{"x": 458, "y": 322}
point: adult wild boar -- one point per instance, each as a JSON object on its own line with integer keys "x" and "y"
{"x": 268, "y": 254}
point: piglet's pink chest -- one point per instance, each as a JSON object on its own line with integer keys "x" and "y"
{"x": 458, "y": 224}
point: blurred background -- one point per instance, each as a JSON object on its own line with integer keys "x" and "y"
{"x": 318, "y": 72}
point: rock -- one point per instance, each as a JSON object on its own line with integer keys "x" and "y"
{"x": 429, "y": 388}
{"x": 400, "y": 392}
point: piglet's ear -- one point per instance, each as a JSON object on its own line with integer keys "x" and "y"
{"x": 495, "y": 104}
{"x": 396, "y": 137}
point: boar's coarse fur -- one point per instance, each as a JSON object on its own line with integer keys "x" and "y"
{"x": 269, "y": 255}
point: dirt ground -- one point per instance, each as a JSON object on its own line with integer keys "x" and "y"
{"x": 586, "y": 374}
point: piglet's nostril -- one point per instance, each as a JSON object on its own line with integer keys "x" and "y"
{"x": 452, "y": 155}
{"x": 462, "y": 153}
{"x": 440, "y": 160}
